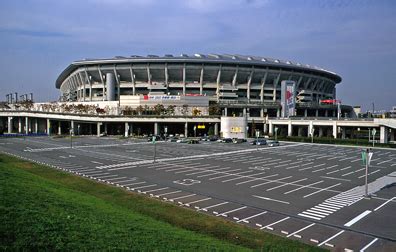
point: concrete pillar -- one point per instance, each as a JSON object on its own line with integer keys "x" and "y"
{"x": 343, "y": 132}
{"x": 19, "y": 125}
{"x": 335, "y": 130}
{"x": 36, "y": 126}
{"x": 48, "y": 127}
{"x": 305, "y": 112}
{"x": 59, "y": 128}
{"x": 383, "y": 134}
{"x": 216, "y": 129}
{"x": 105, "y": 128}
{"x": 72, "y": 130}
{"x": 126, "y": 133}
{"x": 186, "y": 129}
{"x": 278, "y": 113}
{"x": 317, "y": 113}
{"x": 156, "y": 129}
{"x": 225, "y": 112}
{"x": 9, "y": 125}
{"x": 265, "y": 128}
{"x": 320, "y": 131}
{"x": 300, "y": 131}
{"x": 262, "y": 112}
{"x": 131, "y": 128}
{"x": 289, "y": 129}
{"x": 392, "y": 135}
{"x": 310, "y": 127}
{"x": 244, "y": 112}
{"x": 271, "y": 129}
{"x": 98, "y": 128}
{"x": 326, "y": 113}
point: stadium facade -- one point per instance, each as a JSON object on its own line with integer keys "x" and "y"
{"x": 191, "y": 95}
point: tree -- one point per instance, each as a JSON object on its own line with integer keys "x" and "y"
{"x": 211, "y": 131}
{"x": 170, "y": 110}
{"x": 196, "y": 112}
{"x": 159, "y": 109}
{"x": 185, "y": 109}
{"x": 140, "y": 109}
{"x": 214, "y": 109}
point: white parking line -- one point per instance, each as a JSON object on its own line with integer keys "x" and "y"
{"x": 368, "y": 245}
{"x": 140, "y": 187}
{"x": 159, "y": 195}
{"x": 270, "y": 181}
{"x": 247, "y": 181}
{"x": 323, "y": 189}
{"x": 303, "y": 187}
{"x": 357, "y": 218}
{"x": 265, "y": 198}
{"x": 159, "y": 189}
{"x": 231, "y": 211}
{"x": 227, "y": 175}
{"x": 331, "y": 238}
{"x": 107, "y": 176}
{"x": 290, "y": 183}
{"x": 242, "y": 177}
{"x": 197, "y": 201}
{"x": 182, "y": 197}
{"x": 214, "y": 170}
{"x": 302, "y": 229}
{"x": 116, "y": 179}
{"x": 250, "y": 217}
{"x": 220, "y": 204}
{"x": 384, "y": 203}
{"x": 137, "y": 183}
{"x": 276, "y": 222}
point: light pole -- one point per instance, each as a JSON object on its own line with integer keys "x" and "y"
{"x": 71, "y": 138}
{"x": 155, "y": 148}
{"x": 373, "y": 132}
{"x": 366, "y": 157}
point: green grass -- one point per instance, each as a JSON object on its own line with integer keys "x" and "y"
{"x": 45, "y": 209}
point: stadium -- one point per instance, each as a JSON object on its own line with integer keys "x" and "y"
{"x": 234, "y": 82}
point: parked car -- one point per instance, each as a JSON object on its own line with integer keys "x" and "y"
{"x": 182, "y": 140}
{"x": 213, "y": 138}
{"x": 238, "y": 140}
{"x": 226, "y": 140}
{"x": 172, "y": 139}
{"x": 193, "y": 141}
{"x": 260, "y": 141}
{"x": 272, "y": 143}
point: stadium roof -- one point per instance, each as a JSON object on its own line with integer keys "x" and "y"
{"x": 197, "y": 58}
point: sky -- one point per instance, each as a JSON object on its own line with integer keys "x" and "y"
{"x": 354, "y": 38}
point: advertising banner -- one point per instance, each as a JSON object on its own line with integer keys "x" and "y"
{"x": 288, "y": 98}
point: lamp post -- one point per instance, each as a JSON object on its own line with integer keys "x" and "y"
{"x": 71, "y": 138}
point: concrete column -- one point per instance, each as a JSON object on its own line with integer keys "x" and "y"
{"x": 265, "y": 128}
{"x": 271, "y": 129}
{"x": 72, "y": 128}
{"x": 131, "y": 129}
{"x": 300, "y": 131}
{"x": 216, "y": 129}
{"x": 310, "y": 127}
{"x": 48, "y": 127}
{"x": 278, "y": 113}
{"x": 156, "y": 128}
{"x": 244, "y": 112}
{"x": 392, "y": 135}
{"x": 317, "y": 113}
{"x": 9, "y": 125}
{"x": 326, "y": 113}
{"x": 305, "y": 112}
{"x": 105, "y": 128}
{"x": 126, "y": 133}
{"x": 36, "y": 126}
{"x": 289, "y": 129}
{"x": 225, "y": 112}
{"x": 261, "y": 112}
{"x": 320, "y": 131}
{"x": 27, "y": 125}
{"x": 186, "y": 129}
{"x": 335, "y": 130}
{"x": 19, "y": 125}
{"x": 98, "y": 128}
{"x": 383, "y": 134}
{"x": 343, "y": 133}
{"x": 59, "y": 128}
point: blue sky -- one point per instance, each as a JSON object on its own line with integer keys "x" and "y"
{"x": 356, "y": 39}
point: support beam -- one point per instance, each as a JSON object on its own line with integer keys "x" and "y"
{"x": 98, "y": 128}
{"x": 289, "y": 129}
{"x": 216, "y": 129}
{"x": 126, "y": 133}
{"x": 48, "y": 131}
{"x": 133, "y": 80}
{"x": 118, "y": 84}
{"x": 218, "y": 84}
{"x": 263, "y": 80}
{"x": 90, "y": 84}
{"x": 103, "y": 83}
{"x": 36, "y": 126}
{"x": 59, "y": 128}
{"x": 148, "y": 74}
{"x": 271, "y": 128}
{"x": 83, "y": 86}
{"x": 19, "y": 125}
{"x": 156, "y": 128}
{"x": 9, "y": 125}
{"x": 335, "y": 130}
{"x": 383, "y": 134}
{"x": 184, "y": 79}
{"x": 185, "y": 129}
{"x": 276, "y": 81}
{"x": 201, "y": 80}
{"x": 234, "y": 78}
{"x": 249, "y": 82}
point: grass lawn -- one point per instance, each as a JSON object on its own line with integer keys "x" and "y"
{"x": 45, "y": 209}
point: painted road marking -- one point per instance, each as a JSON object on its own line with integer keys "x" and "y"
{"x": 247, "y": 181}
{"x": 182, "y": 197}
{"x": 237, "y": 209}
{"x": 154, "y": 190}
{"x": 140, "y": 187}
{"x": 302, "y": 229}
{"x": 290, "y": 183}
{"x": 248, "y": 218}
{"x": 331, "y": 238}
{"x": 206, "y": 208}
{"x": 368, "y": 245}
{"x": 270, "y": 181}
{"x": 357, "y": 218}
{"x": 384, "y": 203}
{"x": 159, "y": 195}
{"x": 276, "y": 222}
{"x": 301, "y": 187}
{"x": 265, "y": 198}
{"x": 323, "y": 189}
{"x": 193, "y": 202}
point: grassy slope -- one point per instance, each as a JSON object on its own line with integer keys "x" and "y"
{"x": 41, "y": 208}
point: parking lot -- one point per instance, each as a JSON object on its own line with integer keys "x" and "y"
{"x": 309, "y": 192}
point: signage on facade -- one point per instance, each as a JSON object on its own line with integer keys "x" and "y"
{"x": 161, "y": 97}
{"x": 288, "y": 98}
